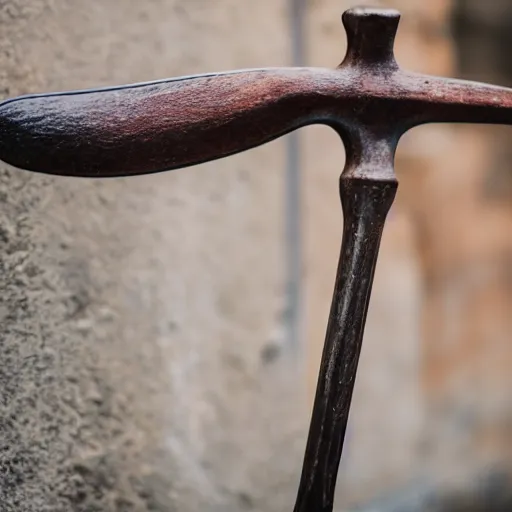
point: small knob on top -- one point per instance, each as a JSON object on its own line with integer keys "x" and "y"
{"x": 370, "y": 37}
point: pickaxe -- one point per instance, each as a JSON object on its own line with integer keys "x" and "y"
{"x": 368, "y": 100}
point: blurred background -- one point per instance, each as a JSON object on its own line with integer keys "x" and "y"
{"x": 161, "y": 335}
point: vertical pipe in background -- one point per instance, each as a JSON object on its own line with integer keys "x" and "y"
{"x": 293, "y": 238}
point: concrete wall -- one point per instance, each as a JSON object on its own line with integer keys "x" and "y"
{"x": 141, "y": 361}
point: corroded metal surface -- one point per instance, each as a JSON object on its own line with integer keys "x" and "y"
{"x": 368, "y": 100}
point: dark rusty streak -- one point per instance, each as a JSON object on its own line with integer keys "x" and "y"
{"x": 368, "y": 100}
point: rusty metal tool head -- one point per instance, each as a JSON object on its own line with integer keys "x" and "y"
{"x": 168, "y": 124}
{"x": 158, "y": 126}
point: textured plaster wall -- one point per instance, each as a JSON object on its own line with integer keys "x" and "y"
{"x": 142, "y": 367}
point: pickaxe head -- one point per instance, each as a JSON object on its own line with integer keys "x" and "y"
{"x": 164, "y": 125}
